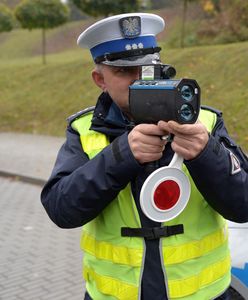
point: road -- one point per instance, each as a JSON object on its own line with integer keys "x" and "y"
{"x": 37, "y": 259}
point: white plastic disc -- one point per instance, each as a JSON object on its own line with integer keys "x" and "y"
{"x": 148, "y": 206}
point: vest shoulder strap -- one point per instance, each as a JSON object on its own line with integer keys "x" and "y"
{"x": 212, "y": 109}
{"x": 208, "y": 116}
{"x": 92, "y": 141}
{"x": 79, "y": 114}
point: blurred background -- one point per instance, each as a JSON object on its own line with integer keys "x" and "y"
{"x": 45, "y": 77}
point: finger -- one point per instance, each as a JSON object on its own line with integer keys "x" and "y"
{"x": 163, "y": 126}
{"x": 185, "y": 129}
{"x": 149, "y": 141}
{"x": 188, "y": 148}
{"x": 148, "y": 157}
{"x": 176, "y": 128}
{"x": 139, "y": 137}
{"x": 149, "y": 129}
{"x": 145, "y": 148}
{"x": 182, "y": 151}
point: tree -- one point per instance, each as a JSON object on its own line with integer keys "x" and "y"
{"x": 75, "y": 13}
{"x": 157, "y": 4}
{"x": 6, "y": 18}
{"x": 10, "y": 3}
{"x": 237, "y": 14}
{"x": 106, "y": 7}
{"x": 43, "y": 14}
{"x": 185, "y": 9}
{"x": 227, "y": 20}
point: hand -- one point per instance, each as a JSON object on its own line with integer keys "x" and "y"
{"x": 145, "y": 142}
{"x": 189, "y": 139}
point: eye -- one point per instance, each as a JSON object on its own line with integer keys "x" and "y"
{"x": 127, "y": 70}
{"x": 122, "y": 70}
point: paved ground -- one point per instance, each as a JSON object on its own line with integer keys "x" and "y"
{"x": 37, "y": 259}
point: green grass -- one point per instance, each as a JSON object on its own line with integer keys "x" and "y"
{"x": 37, "y": 99}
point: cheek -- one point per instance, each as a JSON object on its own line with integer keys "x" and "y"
{"x": 120, "y": 96}
{"x": 124, "y": 86}
{"x": 118, "y": 88}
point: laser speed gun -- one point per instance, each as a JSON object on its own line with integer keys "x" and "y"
{"x": 154, "y": 97}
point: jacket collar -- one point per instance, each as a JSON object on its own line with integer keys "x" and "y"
{"x": 108, "y": 118}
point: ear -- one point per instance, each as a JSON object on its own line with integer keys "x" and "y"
{"x": 98, "y": 78}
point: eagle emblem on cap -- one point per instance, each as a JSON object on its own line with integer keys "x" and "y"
{"x": 130, "y": 26}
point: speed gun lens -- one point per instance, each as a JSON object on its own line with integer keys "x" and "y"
{"x": 187, "y": 92}
{"x": 166, "y": 195}
{"x": 186, "y": 112}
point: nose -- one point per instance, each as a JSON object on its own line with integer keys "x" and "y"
{"x": 135, "y": 74}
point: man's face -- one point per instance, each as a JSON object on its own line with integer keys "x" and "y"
{"x": 115, "y": 81}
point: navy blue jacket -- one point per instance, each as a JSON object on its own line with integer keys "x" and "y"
{"x": 79, "y": 188}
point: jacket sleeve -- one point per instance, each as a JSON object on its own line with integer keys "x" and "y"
{"x": 220, "y": 173}
{"x": 79, "y": 188}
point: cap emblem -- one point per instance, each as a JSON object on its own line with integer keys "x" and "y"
{"x": 130, "y": 26}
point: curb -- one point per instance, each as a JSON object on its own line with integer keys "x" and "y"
{"x": 23, "y": 178}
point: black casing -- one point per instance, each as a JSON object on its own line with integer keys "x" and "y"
{"x": 155, "y": 100}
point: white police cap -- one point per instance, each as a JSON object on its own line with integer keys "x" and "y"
{"x": 124, "y": 40}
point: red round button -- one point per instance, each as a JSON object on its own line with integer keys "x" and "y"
{"x": 166, "y": 194}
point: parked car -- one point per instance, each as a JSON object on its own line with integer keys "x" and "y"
{"x": 238, "y": 239}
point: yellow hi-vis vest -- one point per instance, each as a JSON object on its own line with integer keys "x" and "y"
{"x": 196, "y": 263}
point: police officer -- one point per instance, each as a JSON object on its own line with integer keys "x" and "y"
{"x": 100, "y": 170}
